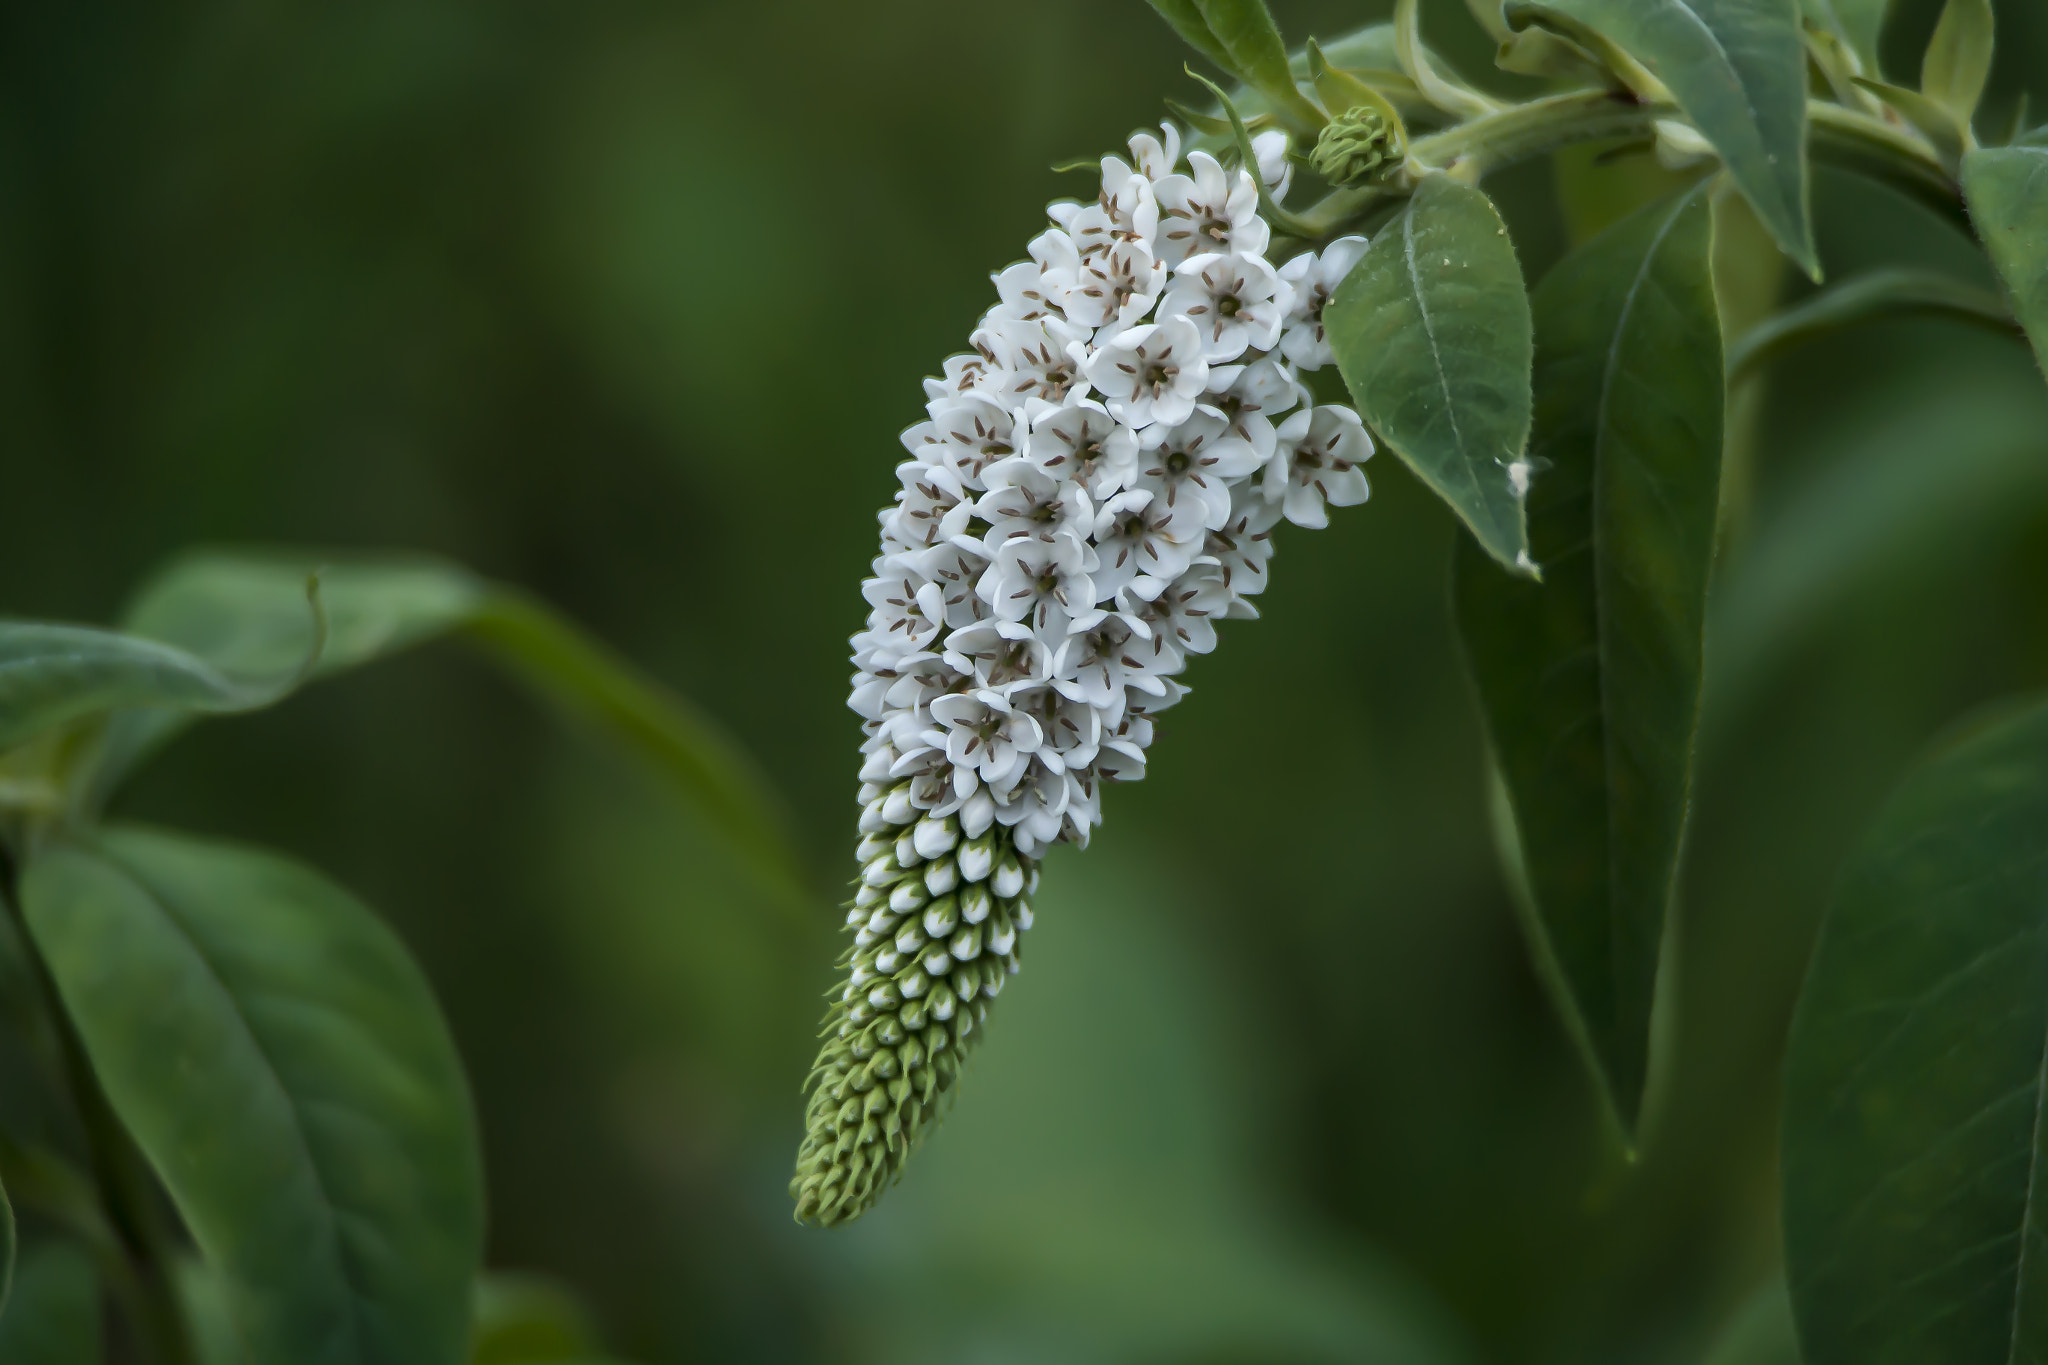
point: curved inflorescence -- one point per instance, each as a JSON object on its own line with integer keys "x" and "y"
{"x": 1094, "y": 489}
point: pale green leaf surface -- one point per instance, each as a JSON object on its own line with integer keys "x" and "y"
{"x": 526, "y": 1320}
{"x": 1590, "y": 681}
{"x": 1892, "y": 292}
{"x": 1258, "y": 55}
{"x": 1738, "y": 70}
{"x": 53, "y": 1315}
{"x": 235, "y": 610}
{"x": 1958, "y": 59}
{"x": 1760, "y": 1331}
{"x": 1859, "y": 23}
{"x": 2007, "y": 190}
{"x": 53, "y": 674}
{"x": 282, "y": 1064}
{"x": 1914, "y": 1150}
{"x": 1432, "y": 334}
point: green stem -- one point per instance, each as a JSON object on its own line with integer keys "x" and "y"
{"x": 1848, "y": 138}
{"x": 141, "y": 1261}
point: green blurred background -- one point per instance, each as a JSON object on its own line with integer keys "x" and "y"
{"x": 625, "y": 302}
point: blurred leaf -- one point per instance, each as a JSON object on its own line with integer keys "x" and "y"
{"x": 2007, "y": 189}
{"x": 1857, "y": 23}
{"x": 1432, "y": 335}
{"x": 282, "y": 1063}
{"x": 51, "y": 674}
{"x": 1186, "y": 19}
{"x": 1245, "y": 30}
{"x": 235, "y": 611}
{"x": 1761, "y": 1332}
{"x": 1452, "y": 96}
{"x": 1958, "y": 59}
{"x": 1096, "y": 1205}
{"x": 53, "y": 1316}
{"x": 525, "y": 1320}
{"x": 1738, "y": 70}
{"x": 7, "y": 1249}
{"x": 1590, "y": 680}
{"x": 1913, "y": 1146}
{"x": 1936, "y": 122}
{"x": 1339, "y": 91}
{"x": 1893, "y": 292}
{"x": 1597, "y": 186}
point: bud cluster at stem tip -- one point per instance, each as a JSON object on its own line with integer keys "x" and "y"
{"x": 1358, "y": 145}
{"x": 937, "y": 919}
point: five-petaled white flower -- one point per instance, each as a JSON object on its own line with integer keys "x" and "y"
{"x": 1238, "y": 302}
{"x": 1316, "y": 461}
{"x": 1152, "y": 373}
{"x": 983, "y": 737}
{"x": 1313, "y": 279}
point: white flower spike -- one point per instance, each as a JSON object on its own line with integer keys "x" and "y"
{"x": 1095, "y": 486}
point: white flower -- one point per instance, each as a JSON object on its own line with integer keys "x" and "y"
{"x": 968, "y": 434}
{"x": 1314, "y": 278}
{"x": 1240, "y": 550}
{"x": 1138, "y": 534}
{"x": 1082, "y": 442}
{"x": 1040, "y": 358}
{"x": 1095, "y": 665}
{"x": 1182, "y": 619}
{"x": 1248, "y": 396}
{"x": 932, "y": 505}
{"x": 1152, "y": 373}
{"x": 1315, "y": 461}
{"x": 1209, "y": 209}
{"x": 983, "y": 736}
{"x": 1195, "y": 461}
{"x": 1000, "y": 655}
{"x": 1024, "y": 499}
{"x": 955, "y": 567}
{"x": 963, "y": 375}
{"x": 1276, "y": 172}
{"x": 1043, "y": 580}
{"x": 1115, "y": 287}
{"x": 1238, "y": 302}
{"x": 1157, "y": 156}
{"x": 1023, "y": 291}
{"x": 906, "y": 615}
{"x": 1071, "y": 730}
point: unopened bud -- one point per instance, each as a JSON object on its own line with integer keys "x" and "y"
{"x": 1359, "y": 145}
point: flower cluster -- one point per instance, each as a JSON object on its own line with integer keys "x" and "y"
{"x": 1093, "y": 488}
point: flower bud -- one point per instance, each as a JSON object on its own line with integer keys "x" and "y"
{"x": 915, "y": 984}
{"x": 975, "y": 903}
{"x": 896, "y": 807}
{"x": 942, "y": 876}
{"x": 865, "y": 896}
{"x": 942, "y": 916}
{"x": 873, "y": 845}
{"x": 910, "y": 937}
{"x": 906, "y": 851}
{"x": 966, "y": 945}
{"x": 908, "y": 896}
{"x": 938, "y": 960}
{"x": 935, "y": 837}
{"x": 978, "y": 858}
{"x": 881, "y": 871}
{"x": 872, "y": 821}
{"x": 1002, "y": 938}
{"x": 1359, "y": 145}
{"x": 1008, "y": 879}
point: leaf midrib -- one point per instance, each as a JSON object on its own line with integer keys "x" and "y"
{"x": 1443, "y": 380}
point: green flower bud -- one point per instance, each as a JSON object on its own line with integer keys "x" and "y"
{"x": 1358, "y": 145}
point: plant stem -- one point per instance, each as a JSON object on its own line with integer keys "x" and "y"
{"x": 143, "y": 1245}
{"x": 1848, "y": 138}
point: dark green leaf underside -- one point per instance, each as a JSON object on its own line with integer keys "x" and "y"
{"x": 1432, "y": 335}
{"x": 282, "y": 1064}
{"x": 1916, "y": 1228}
{"x": 53, "y": 674}
{"x": 1738, "y": 70}
{"x": 1590, "y": 681}
{"x": 2007, "y": 188}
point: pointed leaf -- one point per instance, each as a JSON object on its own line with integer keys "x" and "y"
{"x": 1936, "y": 122}
{"x": 2007, "y": 189}
{"x": 1738, "y": 70}
{"x": 1880, "y": 295}
{"x": 1916, "y": 1223}
{"x": 236, "y": 611}
{"x": 1590, "y": 681}
{"x": 1258, "y": 55}
{"x": 281, "y": 1063}
{"x": 7, "y": 1248}
{"x": 52, "y": 674}
{"x": 1432, "y": 335}
{"x": 1958, "y": 59}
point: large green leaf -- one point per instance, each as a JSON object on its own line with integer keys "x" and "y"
{"x": 53, "y": 1316}
{"x": 1856, "y": 22}
{"x": 281, "y": 1063}
{"x": 1738, "y": 70}
{"x": 1590, "y": 680}
{"x": 1246, "y": 31}
{"x": 237, "y": 612}
{"x": 1432, "y": 334}
{"x": 1185, "y": 18}
{"x": 1914, "y": 1151}
{"x": 2007, "y": 189}
{"x": 52, "y": 674}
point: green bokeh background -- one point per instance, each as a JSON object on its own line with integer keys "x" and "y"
{"x": 625, "y": 302}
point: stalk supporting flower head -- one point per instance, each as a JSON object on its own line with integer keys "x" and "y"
{"x": 1095, "y": 486}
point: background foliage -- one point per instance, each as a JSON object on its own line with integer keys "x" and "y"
{"x": 624, "y": 303}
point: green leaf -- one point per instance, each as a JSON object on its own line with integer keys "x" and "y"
{"x": 1185, "y": 18}
{"x": 1432, "y": 335}
{"x": 1738, "y": 70}
{"x": 54, "y": 674}
{"x": 2007, "y": 190}
{"x": 1246, "y": 32}
{"x": 1590, "y": 681}
{"x": 1857, "y": 23}
{"x": 7, "y": 1249}
{"x": 1935, "y": 121}
{"x": 237, "y": 612}
{"x": 281, "y": 1063}
{"x": 1913, "y": 1142}
{"x": 53, "y": 1316}
{"x": 1958, "y": 60}
{"x": 1760, "y": 1332}
{"x": 1880, "y": 295}
{"x": 525, "y": 1319}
